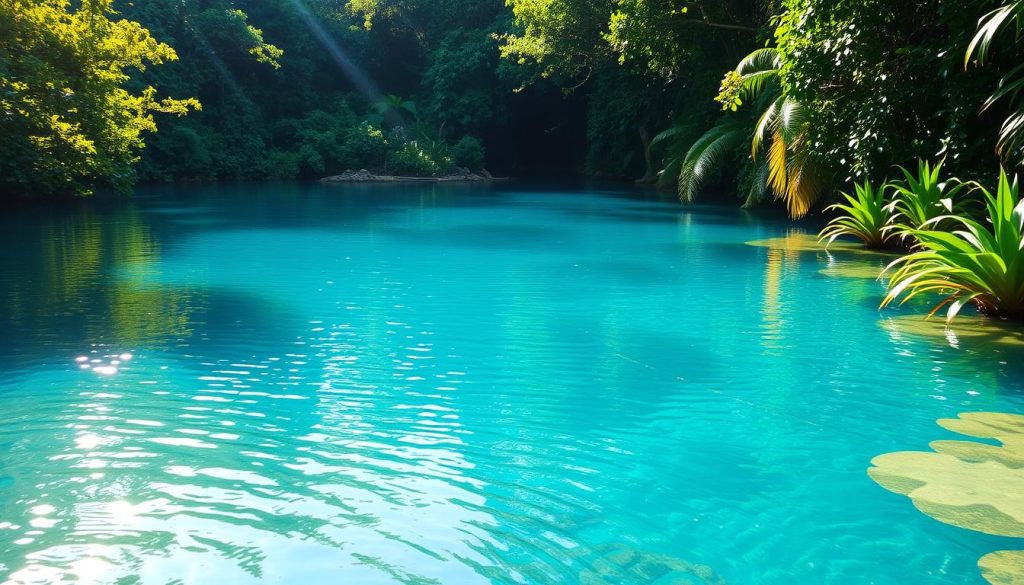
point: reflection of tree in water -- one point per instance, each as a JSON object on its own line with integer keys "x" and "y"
{"x": 99, "y": 277}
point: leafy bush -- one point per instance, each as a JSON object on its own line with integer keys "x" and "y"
{"x": 867, "y": 218}
{"x": 975, "y": 264}
{"x": 468, "y": 152}
{"x": 413, "y": 160}
{"x": 71, "y": 119}
{"x": 281, "y": 165}
{"x": 364, "y": 147}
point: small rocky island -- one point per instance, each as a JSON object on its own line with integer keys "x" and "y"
{"x": 459, "y": 175}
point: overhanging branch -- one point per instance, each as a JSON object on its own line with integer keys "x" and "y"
{"x": 710, "y": 24}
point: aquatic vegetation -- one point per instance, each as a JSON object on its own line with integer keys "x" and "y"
{"x": 975, "y": 264}
{"x": 867, "y": 217}
{"x": 1003, "y": 567}
{"x": 972, "y": 485}
{"x": 921, "y": 201}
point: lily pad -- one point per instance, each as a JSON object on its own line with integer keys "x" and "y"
{"x": 1005, "y": 567}
{"x": 977, "y": 486}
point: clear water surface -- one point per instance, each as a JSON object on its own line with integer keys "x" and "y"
{"x": 462, "y": 385}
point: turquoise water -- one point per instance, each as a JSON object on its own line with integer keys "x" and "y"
{"x": 461, "y": 385}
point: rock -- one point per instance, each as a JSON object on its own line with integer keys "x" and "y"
{"x": 459, "y": 174}
{"x": 350, "y": 176}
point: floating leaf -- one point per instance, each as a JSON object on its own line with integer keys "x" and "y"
{"x": 1005, "y": 567}
{"x": 977, "y": 486}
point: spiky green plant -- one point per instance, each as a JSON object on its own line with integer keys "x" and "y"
{"x": 978, "y": 263}
{"x": 867, "y": 217}
{"x": 920, "y": 200}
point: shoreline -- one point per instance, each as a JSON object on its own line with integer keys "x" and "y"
{"x": 364, "y": 176}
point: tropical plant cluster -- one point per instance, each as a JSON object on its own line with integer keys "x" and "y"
{"x": 821, "y": 97}
{"x": 962, "y": 242}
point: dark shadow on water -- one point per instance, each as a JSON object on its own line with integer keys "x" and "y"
{"x": 625, "y": 216}
{"x": 196, "y": 321}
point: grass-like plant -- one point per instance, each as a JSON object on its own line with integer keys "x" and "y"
{"x": 920, "y": 201}
{"x": 978, "y": 263}
{"x": 867, "y": 217}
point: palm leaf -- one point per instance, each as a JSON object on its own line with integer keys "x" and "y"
{"x": 988, "y": 27}
{"x": 764, "y": 59}
{"x": 705, "y": 155}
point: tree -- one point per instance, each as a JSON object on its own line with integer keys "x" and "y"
{"x": 67, "y": 119}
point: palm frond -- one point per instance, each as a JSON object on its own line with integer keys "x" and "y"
{"x": 778, "y": 166}
{"x": 705, "y": 155}
{"x": 806, "y": 181}
{"x": 668, "y": 134}
{"x": 765, "y": 124}
{"x": 764, "y": 59}
{"x": 758, "y": 187}
{"x": 988, "y": 27}
{"x": 792, "y": 119}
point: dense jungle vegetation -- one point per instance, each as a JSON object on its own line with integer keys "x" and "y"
{"x": 772, "y": 99}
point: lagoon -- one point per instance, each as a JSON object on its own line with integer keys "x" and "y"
{"x": 519, "y": 383}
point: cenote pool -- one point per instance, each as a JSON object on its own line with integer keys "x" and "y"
{"x": 462, "y": 385}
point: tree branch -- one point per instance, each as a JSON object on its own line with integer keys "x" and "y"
{"x": 720, "y": 25}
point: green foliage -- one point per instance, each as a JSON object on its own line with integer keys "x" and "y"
{"x": 706, "y": 156}
{"x": 70, "y": 122}
{"x": 788, "y": 170}
{"x": 228, "y": 26}
{"x": 826, "y": 92}
{"x": 468, "y": 153}
{"x": 883, "y": 83}
{"x": 1011, "y": 133}
{"x": 979, "y": 263}
{"x": 866, "y": 216}
{"x": 418, "y": 160}
{"x": 365, "y": 147}
{"x": 461, "y": 91}
{"x": 558, "y": 36}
